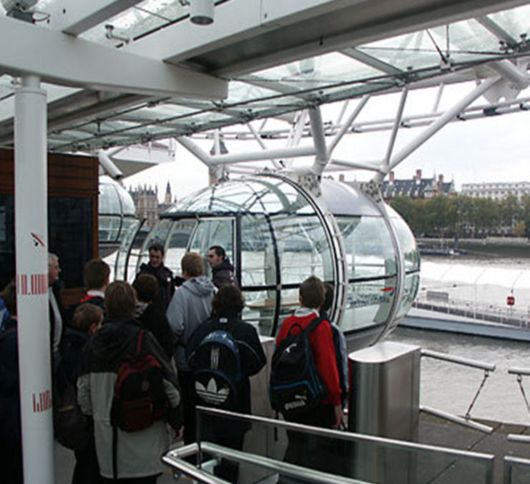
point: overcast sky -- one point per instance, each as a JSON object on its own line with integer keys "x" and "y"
{"x": 489, "y": 149}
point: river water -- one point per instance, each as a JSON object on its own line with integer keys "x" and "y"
{"x": 451, "y": 387}
{"x": 480, "y": 280}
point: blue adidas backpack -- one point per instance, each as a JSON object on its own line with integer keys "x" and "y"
{"x": 216, "y": 368}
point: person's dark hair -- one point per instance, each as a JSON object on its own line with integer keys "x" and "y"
{"x": 156, "y": 247}
{"x": 120, "y": 300}
{"x": 228, "y": 301}
{"x": 219, "y": 251}
{"x": 9, "y": 295}
{"x": 86, "y": 315}
{"x": 328, "y": 297}
{"x": 96, "y": 274}
{"x": 192, "y": 264}
{"x": 312, "y": 292}
{"x": 146, "y": 287}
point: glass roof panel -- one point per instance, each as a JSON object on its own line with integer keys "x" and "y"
{"x": 239, "y": 92}
{"x": 515, "y": 21}
{"x": 462, "y": 41}
{"x": 466, "y": 40}
{"x": 136, "y": 21}
{"x": 315, "y": 72}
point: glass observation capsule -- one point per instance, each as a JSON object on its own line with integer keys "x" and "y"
{"x": 278, "y": 231}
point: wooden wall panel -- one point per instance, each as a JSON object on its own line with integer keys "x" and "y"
{"x": 68, "y": 175}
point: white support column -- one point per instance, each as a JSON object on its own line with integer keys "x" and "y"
{"x": 263, "y": 155}
{"x": 109, "y": 166}
{"x": 442, "y": 121}
{"x": 319, "y": 141}
{"x": 347, "y": 124}
{"x": 438, "y": 99}
{"x": 257, "y": 137}
{"x": 31, "y": 242}
{"x": 511, "y": 73}
{"x": 393, "y": 135}
{"x": 194, "y": 149}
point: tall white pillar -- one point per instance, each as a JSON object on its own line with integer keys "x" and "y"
{"x": 31, "y": 247}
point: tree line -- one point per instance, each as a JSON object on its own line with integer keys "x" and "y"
{"x": 463, "y": 216}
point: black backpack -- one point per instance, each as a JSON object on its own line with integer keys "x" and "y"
{"x": 71, "y": 427}
{"x": 295, "y": 384}
{"x": 139, "y": 394}
{"x": 216, "y": 368}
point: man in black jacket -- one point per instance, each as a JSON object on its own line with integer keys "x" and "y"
{"x": 222, "y": 269}
{"x": 164, "y": 276}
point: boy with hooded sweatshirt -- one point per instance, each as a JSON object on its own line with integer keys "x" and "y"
{"x": 189, "y": 307}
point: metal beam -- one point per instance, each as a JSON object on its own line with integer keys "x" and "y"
{"x": 74, "y": 17}
{"x": 397, "y": 124}
{"x": 235, "y": 21}
{"x": 370, "y": 166}
{"x": 319, "y": 141}
{"x": 495, "y": 29}
{"x": 348, "y": 123}
{"x": 264, "y": 155}
{"x": 76, "y": 62}
{"x": 372, "y": 62}
{"x": 442, "y": 121}
{"x": 511, "y": 73}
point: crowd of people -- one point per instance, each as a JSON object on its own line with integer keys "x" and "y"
{"x": 130, "y": 362}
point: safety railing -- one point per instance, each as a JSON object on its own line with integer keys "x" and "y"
{"x": 519, "y": 374}
{"x": 466, "y": 420}
{"x": 516, "y": 470}
{"x": 329, "y": 456}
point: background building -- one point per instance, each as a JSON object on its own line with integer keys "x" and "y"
{"x": 146, "y": 202}
{"x": 496, "y": 190}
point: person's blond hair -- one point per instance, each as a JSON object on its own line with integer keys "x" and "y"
{"x": 192, "y": 264}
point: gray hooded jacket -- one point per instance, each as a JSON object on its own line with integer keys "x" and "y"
{"x": 190, "y": 306}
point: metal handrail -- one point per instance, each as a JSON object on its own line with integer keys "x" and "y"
{"x": 283, "y": 468}
{"x": 519, "y": 371}
{"x": 174, "y": 459}
{"x": 466, "y": 420}
{"x": 347, "y": 436}
{"x": 509, "y": 463}
{"x": 458, "y": 360}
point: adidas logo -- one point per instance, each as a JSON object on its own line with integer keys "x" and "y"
{"x": 211, "y": 394}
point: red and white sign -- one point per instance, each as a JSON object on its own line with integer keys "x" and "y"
{"x": 32, "y": 284}
{"x": 510, "y": 300}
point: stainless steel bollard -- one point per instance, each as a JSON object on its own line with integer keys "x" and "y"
{"x": 384, "y": 401}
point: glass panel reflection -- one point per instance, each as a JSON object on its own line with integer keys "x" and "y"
{"x": 368, "y": 245}
{"x": 303, "y": 248}
{"x": 214, "y": 231}
{"x": 258, "y": 267}
{"x": 412, "y": 284}
{"x": 368, "y": 303}
{"x": 121, "y": 256}
{"x": 178, "y": 243}
{"x": 159, "y": 234}
{"x": 259, "y": 310}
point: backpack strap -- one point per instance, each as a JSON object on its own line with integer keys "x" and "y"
{"x": 313, "y": 325}
{"x": 140, "y": 341}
